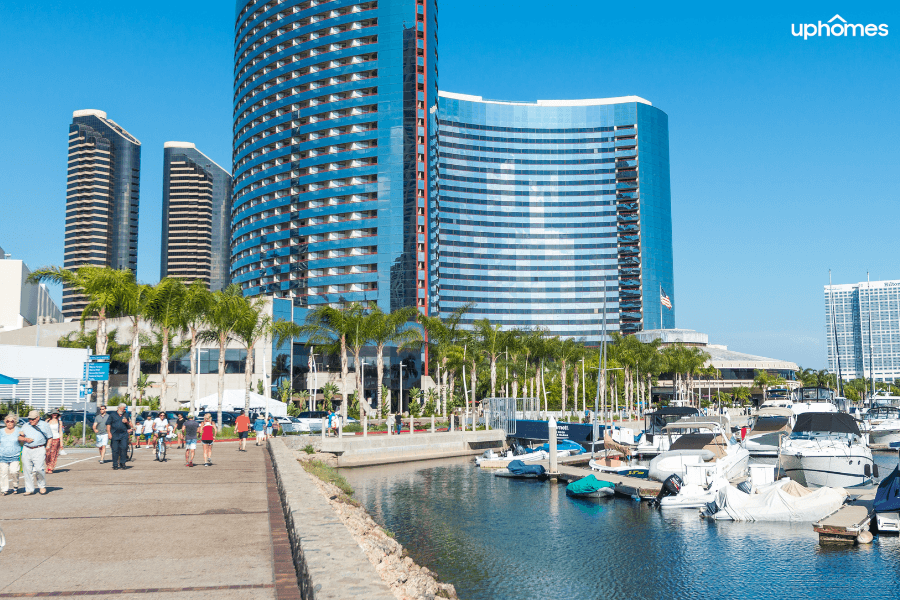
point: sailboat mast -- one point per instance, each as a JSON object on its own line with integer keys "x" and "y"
{"x": 871, "y": 352}
{"x": 837, "y": 353}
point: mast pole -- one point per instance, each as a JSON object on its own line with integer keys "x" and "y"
{"x": 871, "y": 351}
{"x": 837, "y": 351}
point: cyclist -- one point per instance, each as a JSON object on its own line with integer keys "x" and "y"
{"x": 161, "y": 428}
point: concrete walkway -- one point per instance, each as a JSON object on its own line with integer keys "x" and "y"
{"x": 154, "y": 530}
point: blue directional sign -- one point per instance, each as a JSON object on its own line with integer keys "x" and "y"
{"x": 98, "y": 357}
{"x": 96, "y": 371}
{"x": 84, "y": 390}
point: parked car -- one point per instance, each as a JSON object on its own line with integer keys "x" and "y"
{"x": 291, "y": 425}
{"x": 313, "y": 419}
{"x": 299, "y": 426}
{"x": 70, "y": 417}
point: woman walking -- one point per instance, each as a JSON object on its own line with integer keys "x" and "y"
{"x": 54, "y": 443}
{"x": 207, "y": 436}
{"x": 10, "y": 449}
{"x": 179, "y": 428}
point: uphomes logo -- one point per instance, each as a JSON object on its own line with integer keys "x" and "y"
{"x": 837, "y": 26}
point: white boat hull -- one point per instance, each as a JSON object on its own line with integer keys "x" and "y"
{"x": 831, "y": 466}
{"x": 888, "y": 522}
{"x": 883, "y": 436}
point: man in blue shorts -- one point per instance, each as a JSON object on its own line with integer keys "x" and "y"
{"x": 259, "y": 426}
{"x": 190, "y": 440}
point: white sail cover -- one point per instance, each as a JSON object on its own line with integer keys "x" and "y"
{"x": 780, "y": 501}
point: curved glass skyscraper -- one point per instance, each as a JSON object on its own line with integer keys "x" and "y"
{"x": 331, "y": 155}
{"x": 544, "y": 209}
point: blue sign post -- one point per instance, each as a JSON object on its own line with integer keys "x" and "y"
{"x": 96, "y": 371}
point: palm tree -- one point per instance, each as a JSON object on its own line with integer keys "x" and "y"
{"x": 164, "y": 311}
{"x": 391, "y": 328}
{"x": 325, "y": 325}
{"x": 227, "y": 309}
{"x": 442, "y": 336}
{"x": 491, "y": 341}
{"x": 568, "y": 351}
{"x": 195, "y": 304}
{"x": 134, "y": 301}
{"x": 763, "y": 381}
{"x": 103, "y": 288}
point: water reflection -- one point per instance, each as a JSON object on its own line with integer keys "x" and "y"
{"x": 503, "y": 538}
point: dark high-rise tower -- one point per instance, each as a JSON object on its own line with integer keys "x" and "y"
{"x": 196, "y": 217}
{"x": 102, "y": 197}
{"x": 332, "y": 102}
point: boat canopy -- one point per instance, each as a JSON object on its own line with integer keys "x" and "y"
{"x": 882, "y": 412}
{"x": 715, "y": 443}
{"x": 835, "y": 422}
{"x": 587, "y": 485}
{"x": 887, "y": 497}
{"x": 517, "y": 467}
{"x": 660, "y": 418}
{"x": 815, "y": 394}
{"x": 767, "y": 424}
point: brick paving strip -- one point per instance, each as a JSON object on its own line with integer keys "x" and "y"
{"x": 138, "y": 591}
{"x": 284, "y": 572}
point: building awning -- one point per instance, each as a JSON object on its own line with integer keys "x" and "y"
{"x": 4, "y": 380}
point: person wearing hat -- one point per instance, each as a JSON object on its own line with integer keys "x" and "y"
{"x": 55, "y": 442}
{"x": 118, "y": 427}
{"x": 34, "y": 436}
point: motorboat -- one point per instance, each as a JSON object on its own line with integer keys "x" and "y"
{"x": 827, "y": 449}
{"x": 887, "y": 503}
{"x": 616, "y": 466}
{"x": 806, "y": 399}
{"x": 700, "y": 440}
{"x": 882, "y": 398}
{"x": 769, "y": 426}
{"x": 519, "y": 470}
{"x": 882, "y": 423}
{"x": 700, "y": 486}
{"x": 652, "y": 440}
{"x": 783, "y": 500}
{"x": 590, "y": 487}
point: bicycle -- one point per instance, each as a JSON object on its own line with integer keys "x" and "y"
{"x": 129, "y": 453}
{"x": 161, "y": 448}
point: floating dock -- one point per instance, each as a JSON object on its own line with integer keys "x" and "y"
{"x": 845, "y": 525}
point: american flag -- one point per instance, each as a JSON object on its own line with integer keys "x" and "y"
{"x": 665, "y": 299}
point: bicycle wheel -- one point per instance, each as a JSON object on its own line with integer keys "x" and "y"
{"x": 129, "y": 454}
{"x": 161, "y": 450}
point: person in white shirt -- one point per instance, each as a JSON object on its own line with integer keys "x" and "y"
{"x": 147, "y": 430}
{"x": 161, "y": 427}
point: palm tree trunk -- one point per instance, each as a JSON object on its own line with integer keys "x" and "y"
{"x": 134, "y": 363}
{"x": 379, "y": 373}
{"x": 164, "y": 368}
{"x": 493, "y": 376}
{"x": 248, "y": 378}
{"x": 444, "y": 392}
{"x": 564, "y": 388}
{"x": 359, "y": 377}
{"x": 575, "y": 381}
{"x": 474, "y": 385}
{"x": 222, "y": 342}
{"x": 344, "y": 374}
{"x": 102, "y": 345}
{"x": 195, "y": 360}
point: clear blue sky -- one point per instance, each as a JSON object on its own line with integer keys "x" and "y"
{"x": 784, "y": 151}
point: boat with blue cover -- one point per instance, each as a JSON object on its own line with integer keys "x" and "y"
{"x": 590, "y": 487}
{"x": 887, "y": 503}
{"x": 516, "y": 469}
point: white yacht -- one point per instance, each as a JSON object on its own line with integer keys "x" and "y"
{"x": 700, "y": 441}
{"x": 653, "y": 438}
{"x": 827, "y": 449}
{"x": 769, "y": 426}
{"x": 807, "y": 399}
{"x": 882, "y": 424}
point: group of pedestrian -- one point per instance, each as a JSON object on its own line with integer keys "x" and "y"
{"x": 263, "y": 427}
{"x": 27, "y": 444}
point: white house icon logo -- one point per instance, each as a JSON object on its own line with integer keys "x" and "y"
{"x": 837, "y": 26}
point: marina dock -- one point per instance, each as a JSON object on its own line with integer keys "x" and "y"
{"x": 845, "y": 525}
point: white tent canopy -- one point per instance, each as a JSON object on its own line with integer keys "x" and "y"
{"x": 234, "y": 400}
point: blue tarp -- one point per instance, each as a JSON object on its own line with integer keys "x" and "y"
{"x": 887, "y": 497}
{"x": 4, "y": 380}
{"x": 564, "y": 445}
{"x": 517, "y": 467}
{"x": 587, "y": 485}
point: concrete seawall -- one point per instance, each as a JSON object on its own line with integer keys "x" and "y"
{"x": 356, "y": 451}
{"x": 330, "y": 563}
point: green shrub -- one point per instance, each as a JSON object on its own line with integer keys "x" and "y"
{"x": 327, "y": 474}
{"x": 309, "y": 449}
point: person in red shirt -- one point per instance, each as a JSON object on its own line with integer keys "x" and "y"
{"x": 242, "y": 427}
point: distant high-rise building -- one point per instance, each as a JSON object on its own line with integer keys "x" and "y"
{"x": 855, "y": 306}
{"x": 196, "y": 217}
{"x": 551, "y": 212}
{"x": 332, "y": 109}
{"x": 23, "y": 304}
{"x": 102, "y": 197}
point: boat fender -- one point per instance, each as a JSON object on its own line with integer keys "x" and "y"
{"x": 875, "y": 469}
{"x": 867, "y": 470}
{"x": 865, "y": 537}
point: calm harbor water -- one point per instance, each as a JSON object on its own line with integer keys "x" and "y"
{"x": 499, "y": 538}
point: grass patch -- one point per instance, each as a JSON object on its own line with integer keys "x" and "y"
{"x": 309, "y": 449}
{"x": 327, "y": 474}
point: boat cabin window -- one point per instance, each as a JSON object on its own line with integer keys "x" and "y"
{"x": 882, "y": 412}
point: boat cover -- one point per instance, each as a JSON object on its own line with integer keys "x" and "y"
{"x": 780, "y": 501}
{"x": 836, "y": 422}
{"x": 573, "y": 447}
{"x": 587, "y": 485}
{"x": 887, "y": 497}
{"x": 517, "y": 467}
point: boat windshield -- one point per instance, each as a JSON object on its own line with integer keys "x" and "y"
{"x": 655, "y": 422}
{"x": 881, "y": 413}
{"x": 815, "y": 394}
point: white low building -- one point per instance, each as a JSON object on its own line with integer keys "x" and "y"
{"x": 48, "y": 377}
{"x": 23, "y": 304}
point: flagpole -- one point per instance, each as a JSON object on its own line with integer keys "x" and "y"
{"x": 660, "y": 307}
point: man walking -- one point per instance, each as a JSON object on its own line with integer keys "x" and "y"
{"x": 100, "y": 422}
{"x": 117, "y": 428}
{"x": 35, "y": 435}
{"x": 242, "y": 427}
{"x": 190, "y": 440}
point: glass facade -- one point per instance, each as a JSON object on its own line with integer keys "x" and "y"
{"x": 102, "y": 199}
{"x": 544, "y": 209}
{"x": 196, "y": 219}
{"x": 331, "y": 161}
{"x": 855, "y": 306}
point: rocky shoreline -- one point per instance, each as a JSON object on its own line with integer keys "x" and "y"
{"x": 406, "y": 579}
